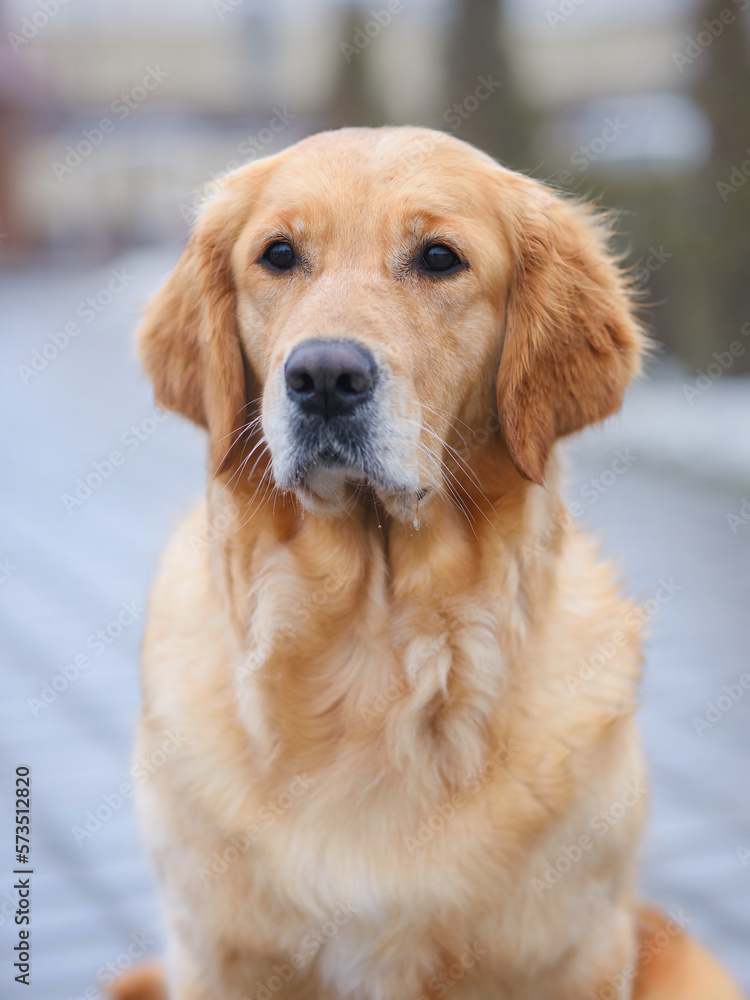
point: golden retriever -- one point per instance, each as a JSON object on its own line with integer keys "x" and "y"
{"x": 395, "y": 780}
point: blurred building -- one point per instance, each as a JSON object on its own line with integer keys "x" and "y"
{"x": 126, "y": 111}
{"x": 190, "y": 89}
{"x": 141, "y": 104}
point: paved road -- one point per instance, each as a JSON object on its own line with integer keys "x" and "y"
{"x": 74, "y": 567}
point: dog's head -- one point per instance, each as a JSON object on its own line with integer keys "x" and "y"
{"x": 366, "y": 303}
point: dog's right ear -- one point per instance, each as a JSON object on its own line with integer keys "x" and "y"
{"x": 188, "y": 340}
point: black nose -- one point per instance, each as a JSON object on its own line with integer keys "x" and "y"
{"x": 330, "y": 377}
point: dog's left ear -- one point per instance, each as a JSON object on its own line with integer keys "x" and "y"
{"x": 188, "y": 339}
{"x": 571, "y": 341}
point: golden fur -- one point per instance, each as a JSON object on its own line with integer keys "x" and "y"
{"x": 383, "y": 761}
{"x": 671, "y": 967}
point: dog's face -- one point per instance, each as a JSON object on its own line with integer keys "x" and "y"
{"x": 383, "y": 294}
{"x": 370, "y": 293}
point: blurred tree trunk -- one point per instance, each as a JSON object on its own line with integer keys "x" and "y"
{"x": 355, "y": 101}
{"x": 482, "y": 104}
{"x": 715, "y": 292}
{"x": 501, "y": 124}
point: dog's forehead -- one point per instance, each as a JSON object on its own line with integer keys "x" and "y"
{"x": 407, "y": 173}
{"x": 384, "y": 152}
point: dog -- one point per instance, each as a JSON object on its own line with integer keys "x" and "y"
{"x": 391, "y": 782}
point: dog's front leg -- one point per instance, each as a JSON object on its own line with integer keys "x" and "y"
{"x": 231, "y": 974}
{"x": 185, "y": 979}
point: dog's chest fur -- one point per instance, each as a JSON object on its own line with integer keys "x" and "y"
{"x": 368, "y": 753}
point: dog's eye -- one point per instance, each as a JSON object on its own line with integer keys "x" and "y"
{"x": 280, "y": 255}
{"x": 438, "y": 257}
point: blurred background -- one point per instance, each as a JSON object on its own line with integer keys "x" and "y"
{"x": 115, "y": 119}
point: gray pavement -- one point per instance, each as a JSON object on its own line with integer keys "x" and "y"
{"x": 73, "y": 567}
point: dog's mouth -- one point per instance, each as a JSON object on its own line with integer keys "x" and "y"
{"x": 329, "y": 462}
{"x": 332, "y": 455}
{"x": 330, "y": 474}
{"x": 331, "y": 469}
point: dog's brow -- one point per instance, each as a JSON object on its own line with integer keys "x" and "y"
{"x": 426, "y": 225}
{"x": 429, "y": 220}
{"x": 292, "y": 222}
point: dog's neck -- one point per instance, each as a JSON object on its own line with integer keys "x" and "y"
{"x": 384, "y": 634}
